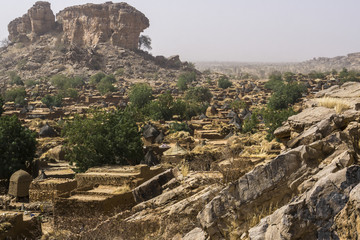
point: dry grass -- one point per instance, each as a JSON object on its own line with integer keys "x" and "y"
{"x": 340, "y": 105}
{"x": 255, "y": 219}
{"x": 185, "y": 169}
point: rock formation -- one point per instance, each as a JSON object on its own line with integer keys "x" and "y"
{"x": 39, "y": 20}
{"x": 83, "y": 25}
{"x": 90, "y": 24}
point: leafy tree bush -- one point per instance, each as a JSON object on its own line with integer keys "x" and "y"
{"x": 188, "y": 76}
{"x": 162, "y": 109}
{"x": 105, "y": 86}
{"x": 275, "y": 79}
{"x": 17, "y": 146}
{"x": 63, "y": 83}
{"x": 104, "y": 138}
{"x": 15, "y": 79}
{"x": 188, "y": 109}
{"x": 182, "y": 84}
{"x": 250, "y": 124}
{"x": 145, "y": 42}
{"x": 198, "y": 94}
{"x": 316, "y": 75}
{"x": 237, "y": 105}
{"x": 285, "y": 95}
{"x": 30, "y": 83}
{"x": 347, "y": 76}
{"x": 16, "y": 95}
{"x": 96, "y": 78}
{"x": 140, "y": 94}
{"x": 274, "y": 119}
{"x": 289, "y": 76}
{"x": 224, "y": 82}
{"x": 52, "y": 101}
{"x": 177, "y": 127}
{"x": 72, "y": 93}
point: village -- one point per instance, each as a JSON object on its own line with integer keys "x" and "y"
{"x": 55, "y": 197}
{"x": 218, "y": 155}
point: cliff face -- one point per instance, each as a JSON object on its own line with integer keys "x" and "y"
{"x": 84, "y": 25}
{"x": 89, "y": 24}
{"x": 39, "y": 20}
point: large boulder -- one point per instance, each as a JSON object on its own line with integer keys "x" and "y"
{"x": 152, "y": 187}
{"x": 309, "y": 117}
{"x": 310, "y": 216}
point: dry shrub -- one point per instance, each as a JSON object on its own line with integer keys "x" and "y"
{"x": 255, "y": 219}
{"x": 185, "y": 169}
{"x": 340, "y": 105}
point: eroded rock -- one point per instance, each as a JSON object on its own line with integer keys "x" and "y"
{"x": 311, "y": 215}
{"x": 85, "y": 25}
{"x": 39, "y": 20}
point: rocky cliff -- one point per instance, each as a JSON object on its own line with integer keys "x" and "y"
{"x": 39, "y": 20}
{"x": 117, "y": 23}
{"x": 86, "y": 25}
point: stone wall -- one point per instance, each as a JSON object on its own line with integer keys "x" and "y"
{"x": 79, "y": 215}
{"x": 49, "y": 189}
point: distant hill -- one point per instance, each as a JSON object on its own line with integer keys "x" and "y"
{"x": 350, "y": 61}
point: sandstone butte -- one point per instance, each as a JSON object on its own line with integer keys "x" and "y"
{"x": 85, "y": 25}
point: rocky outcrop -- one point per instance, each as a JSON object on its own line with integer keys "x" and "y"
{"x": 117, "y": 23}
{"x": 347, "y": 222}
{"x": 170, "y": 215}
{"x": 326, "y": 145}
{"x": 85, "y": 25}
{"x": 39, "y": 20}
{"x": 311, "y": 215}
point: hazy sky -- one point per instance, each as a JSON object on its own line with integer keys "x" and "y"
{"x": 236, "y": 30}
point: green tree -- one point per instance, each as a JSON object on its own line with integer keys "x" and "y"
{"x": 224, "y": 82}
{"x": 316, "y": 75}
{"x": 286, "y": 95}
{"x": 63, "y": 82}
{"x": 289, "y": 76}
{"x": 30, "y": 83}
{"x": 17, "y": 146}
{"x": 346, "y": 76}
{"x": 189, "y": 77}
{"x": 105, "y": 86}
{"x": 162, "y": 108}
{"x": 182, "y": 84}
{"x": 96, "y": 78}
{"x": 145, "y": 42}
{"x": 177, "y": 127}
{"x": 104, "y": 138}
{"x": 15, "y": 79}
{"x": 275, "y": 80}
{"x": 250, "y": 124}
{"x": 237, "y": 105}
{"x": 198, "y": 94}
{"x": 16, "y": 95}
{"x": 274, "y": 119}
{"x": 140, "y": 94}
{"x": 52, "y": 101}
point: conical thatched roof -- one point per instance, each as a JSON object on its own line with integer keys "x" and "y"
{"x": 176, "y": 150}
{"x": 160, "y": 138}
{"x": 150, "y": 131}
{"x": 150, "y": 159}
